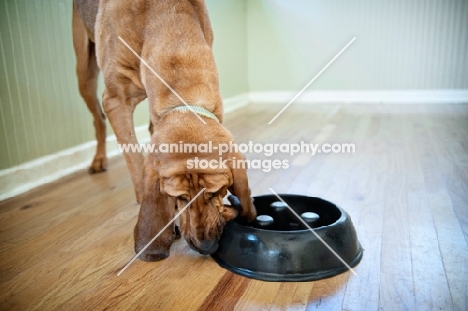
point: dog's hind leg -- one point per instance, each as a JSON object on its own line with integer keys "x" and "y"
{"x": 87, "y": 71}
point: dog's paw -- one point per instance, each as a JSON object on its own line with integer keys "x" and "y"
{"x": 151, "y": 257}
{"x": 151, "y": 253}
{"x": 98, "y": 165}
{"x": 158, "y": 250}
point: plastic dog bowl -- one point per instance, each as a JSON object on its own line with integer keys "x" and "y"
{"x": 278, "y": 247}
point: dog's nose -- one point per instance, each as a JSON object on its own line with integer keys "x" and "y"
{"x": 208, "y": 247}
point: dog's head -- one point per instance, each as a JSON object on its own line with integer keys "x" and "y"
{"x": 182, "y": 175}
{"x": 203, "y": 221}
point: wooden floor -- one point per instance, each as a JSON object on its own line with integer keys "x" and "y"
{"x": 405, "y": 187}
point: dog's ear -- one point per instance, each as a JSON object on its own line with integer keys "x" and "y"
{"x": 156, "y": 211}
{"x": 240, "y": 188}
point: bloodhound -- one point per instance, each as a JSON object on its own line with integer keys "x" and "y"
{"x": 175, "y": 38}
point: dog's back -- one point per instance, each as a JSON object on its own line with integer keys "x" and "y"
{"x": 88, "y": 10}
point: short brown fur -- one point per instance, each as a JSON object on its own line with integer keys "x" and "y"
{"x": 175, "y": 38}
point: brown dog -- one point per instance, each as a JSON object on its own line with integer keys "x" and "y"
{"x": 175, "y": 38}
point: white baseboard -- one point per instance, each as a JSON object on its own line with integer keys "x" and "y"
{"x": 47, "y": 169}
{"x": 236, "y": 102}
{"x": 363, "y": 97}
{"x": 24, "y": 177}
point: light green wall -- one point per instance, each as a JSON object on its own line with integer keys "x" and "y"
{"x": 40, "y": 108}
{"x": 41, "y": 111}
{"x": 400, "y": 44}
{"x": 229, "y": 21}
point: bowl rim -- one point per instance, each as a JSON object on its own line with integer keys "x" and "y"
{"x": 340, "y": 219}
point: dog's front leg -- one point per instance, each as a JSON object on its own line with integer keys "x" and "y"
{"x": 156, "y": 211}
{"x": 120, "y": 114}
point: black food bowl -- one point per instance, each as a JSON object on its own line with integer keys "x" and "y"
{"x": 279, "y": 247}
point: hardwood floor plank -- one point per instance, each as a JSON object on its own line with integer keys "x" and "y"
{"x": 396, "y": 292}
{"x": 362, "y": 291}
{"x": 226, "y": 293}
{"x": 449, "y": 196}
{"x": 431, "y": 289}
{"x": 445, "y": 220}
{"x": 258, "y": 295}
{"x": 56, "y": 238}
{"x": 294, "y": 296}
{"x": 455, "y": 260}
{"x": 324, "y": 291}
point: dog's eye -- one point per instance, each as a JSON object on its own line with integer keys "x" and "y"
{"x": 183, "y": 198}
{"x": 212, "y": 195}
